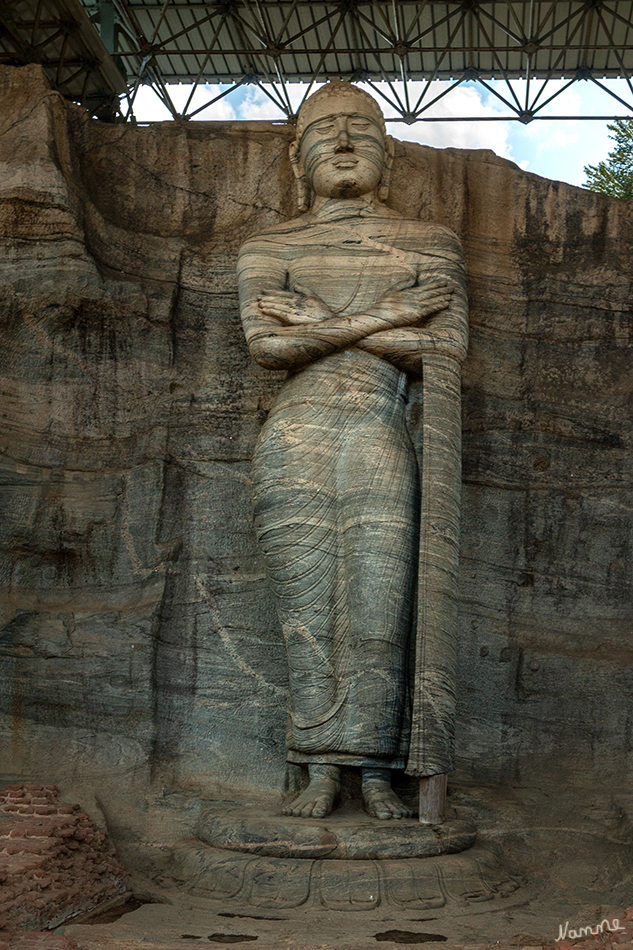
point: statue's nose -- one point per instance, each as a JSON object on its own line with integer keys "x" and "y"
{"x": 343, "y": 143}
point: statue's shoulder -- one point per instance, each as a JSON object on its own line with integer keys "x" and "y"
{"x": 280, "y": 234}
{"x": 432, "y": 232}
{"x": 444, "y": 241}
{"x": 416, "y": 234}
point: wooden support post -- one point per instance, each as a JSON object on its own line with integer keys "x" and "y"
{"x": 433, "y": 799}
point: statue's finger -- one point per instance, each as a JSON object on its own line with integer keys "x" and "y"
{"x": 403, "y": 284}
{"x": 433, "y": 279}
{"x": 276, "y": 293}
{"x": 276, "y": 302}
{"x": 436, "y": 301}
{"x": 272, "y": 311}
{"x": 275, "y": 298}
{"x": 440, "y": 286}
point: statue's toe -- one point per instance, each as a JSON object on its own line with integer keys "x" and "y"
{"x": 315, "y": 802}
{"x": 385, "y": 805}
{"x": 378, "y": 809}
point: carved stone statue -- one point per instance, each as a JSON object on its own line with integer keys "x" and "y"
{"x": 356, "y": 525}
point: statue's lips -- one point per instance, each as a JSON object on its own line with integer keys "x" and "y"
{"x": 345, "y": 163}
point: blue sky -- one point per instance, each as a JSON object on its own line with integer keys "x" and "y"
{"x": 553, "y": 149}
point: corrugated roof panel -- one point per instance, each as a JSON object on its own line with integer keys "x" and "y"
{"x": 60, "y": 37}
{"x": 299, "y": 40}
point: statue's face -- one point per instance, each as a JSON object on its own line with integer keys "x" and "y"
{"x": 343, "y": 153}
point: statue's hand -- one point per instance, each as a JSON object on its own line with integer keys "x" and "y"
{"x": 408, "y": 305}
{"x": 294, "y": 309}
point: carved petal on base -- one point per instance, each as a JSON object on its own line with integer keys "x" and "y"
{"x": 447, "y": 884}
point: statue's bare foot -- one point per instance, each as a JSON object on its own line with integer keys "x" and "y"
{"x": 318, "y": 799}
{"x": 380, "y": 799}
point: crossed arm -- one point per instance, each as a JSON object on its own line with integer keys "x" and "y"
{"x": 287, "y": 330}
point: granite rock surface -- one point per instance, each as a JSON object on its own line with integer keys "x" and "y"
{"x": 138, "y": 637}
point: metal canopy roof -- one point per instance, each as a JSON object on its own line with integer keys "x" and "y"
{"x": 59, "y": 35}
{"x": 276, "y": 42}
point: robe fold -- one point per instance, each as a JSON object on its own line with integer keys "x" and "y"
{"x": 336, "y": 485}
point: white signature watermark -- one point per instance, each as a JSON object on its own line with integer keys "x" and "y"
{"x": 564, "y": 933}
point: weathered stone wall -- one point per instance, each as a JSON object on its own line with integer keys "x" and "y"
{"x": 138, "y": 635}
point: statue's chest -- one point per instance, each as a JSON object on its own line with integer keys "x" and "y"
{"x": 350, "y": 270}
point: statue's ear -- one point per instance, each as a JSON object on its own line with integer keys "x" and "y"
{"x": 303, "y": 189}
{"x": 295, "y": 160}
{"x": 385, "y": 181}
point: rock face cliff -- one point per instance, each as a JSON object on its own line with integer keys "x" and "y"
{"x": 138, "y": 637}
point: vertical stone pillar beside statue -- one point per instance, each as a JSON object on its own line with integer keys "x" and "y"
{"x": 354, "y": 522}
{"x": 433, "y": 716}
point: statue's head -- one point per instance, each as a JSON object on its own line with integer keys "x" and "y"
{"x": 342, "y": 149}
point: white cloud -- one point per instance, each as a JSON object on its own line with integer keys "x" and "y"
{"x": 464, "y": 100}
{"x": 550, "y": 148}
{"x": 220, "y": 111}
{"x": 149, "y": 108}
{"x": 257, "y": 105}
{"x": 550, "y": 135}
{"x": 559, "y": 138}
{"x": 460, "y": 101}
{"x": 561, "y": 149}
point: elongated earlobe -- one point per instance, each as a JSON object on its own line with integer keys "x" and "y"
{"x": 303, "y": 188}
{"x": 385, "y": 179}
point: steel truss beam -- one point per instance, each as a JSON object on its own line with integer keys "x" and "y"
{"x": 59, "y": 36}
{"x": 397, "y": 43}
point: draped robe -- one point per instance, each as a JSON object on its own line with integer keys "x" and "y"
{"x": 336, "y": 485}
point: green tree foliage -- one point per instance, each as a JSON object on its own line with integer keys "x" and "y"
{"x": 615, "y": 176}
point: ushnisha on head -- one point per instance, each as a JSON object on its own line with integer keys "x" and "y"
{"x": 342, "y": 149}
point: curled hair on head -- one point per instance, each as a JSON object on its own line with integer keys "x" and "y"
{"x": 337, "y": 90}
